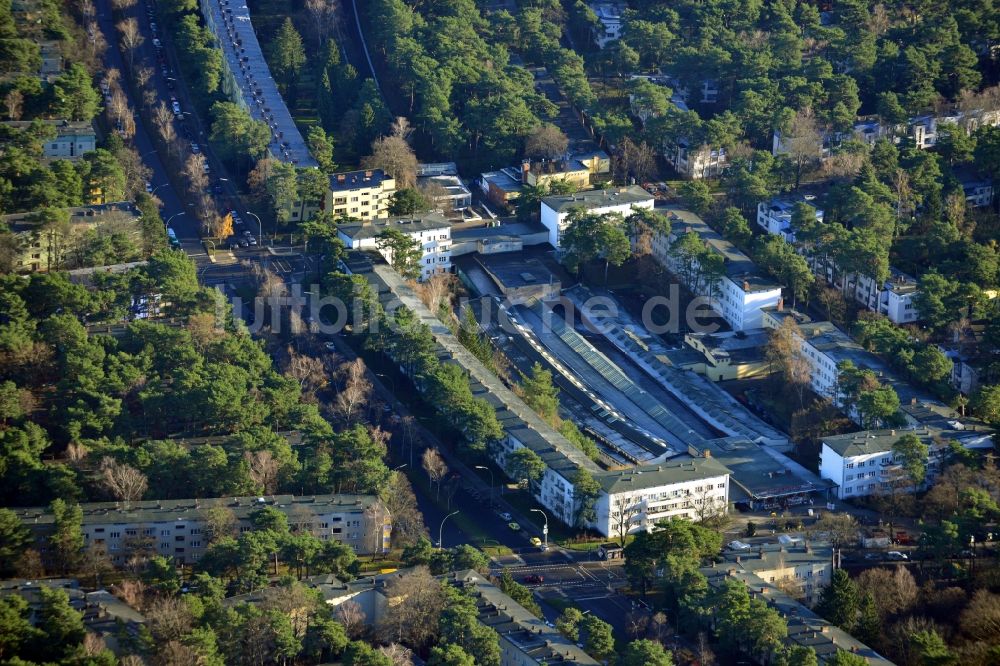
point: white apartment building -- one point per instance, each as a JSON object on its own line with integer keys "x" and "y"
{"x": 696, "y": 162}
{"x": 802, "y": 570}
{"x": 894, "y": 298}
{"x": 73, "y": 138}
{"x": 979, "y": 192}
{"x": 634, "y": 500}
{"x": 743, "y": 292}
{"x": 360, "y": 195}
{"x": 555, "y": 209}
{"x": 609, "y": 14}
{"x": 775, "y": 216}
{"x": 432, "y": 232}
{"x": 175, "y": 528}
{"x": 862, "y": 463}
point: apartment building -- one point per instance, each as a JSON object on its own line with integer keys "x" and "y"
{"x": 546, "y": 172}
{"x": 556, "y": 208}
{"x": 805, "y": 627}
{"x": 775, "y": 216}
{"x": 696, "y": 161}
{"x": 525, "y": 640}
{"x": 978, "y": 192}
{"x": 432, "y": 232}
{"x": 801, "y": 570}
{"x": 609, "y": 17}
{"x": 742, "y": 292}
{"x": 441, "y": 180}
{"x": 360, "y": 195}
{"x": 634, "y": 500}
{"x": 72, "y": 140}
{"x": 895, "y": 297}
{"x": 40, "y": 251}
{"x": 175, "y": 528}
{"x": 863, "y": 463}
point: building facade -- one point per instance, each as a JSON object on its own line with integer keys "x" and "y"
{"x": 555, "y": 209}
{"x": 775, "y": 216}
{"x": 609, "y": 17}
{"x": 431, "y": 232}
{"x": 360, "y": 195}
{"x": 176, "y": 529}
{"x": 800, "y": 570}
{"x": 740, "y": 295}
{"x": 634, "y": 500}
{"x": 73, "y": 138}
{"x": 696, "y": 162}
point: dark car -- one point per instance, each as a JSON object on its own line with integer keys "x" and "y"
{"x": 534, "y": 579}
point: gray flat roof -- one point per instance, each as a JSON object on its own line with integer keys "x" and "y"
{"x": 230, "y": 19}
{"x": 115, "y": 513}
{"x": 739, "y": 267}
{"x": 354, "y": 180}
{"x": 760, "y": 472}
{"x": 661, "y": 474}
{"x": 426, "y": 222}
{"x": 590, "y": 199}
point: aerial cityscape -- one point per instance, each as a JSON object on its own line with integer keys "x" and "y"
{"x": 499, "y": 332}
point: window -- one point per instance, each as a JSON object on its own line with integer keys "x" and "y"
{"x": 131, "y": 532}
{"x": 115, "y": 535}
{"x": 196, "y": 544}
{"x": 195, "y": 530}
{"x": 164, "y": 532}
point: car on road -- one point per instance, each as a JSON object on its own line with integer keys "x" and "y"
{"x": 330, "y": 346}
{"x": 156, "y": 43}
{"x": 514, "y": 526}
{"x": 149, "y": 187}
{"x": 535, "y": 541}
{"x": 152, "y": 26}
{"x": 896, "y": 556}
{"x": 534, "y": 579}
{"x": 195, "y": 148}
{"x": 172, "y": 237}
{"x": 505, "y": 516}
{"x": 176, "y": 107}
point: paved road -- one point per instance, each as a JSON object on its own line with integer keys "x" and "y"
{"x": 172, "y": 203}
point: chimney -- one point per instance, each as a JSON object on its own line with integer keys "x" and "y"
{"x": 746, "y": 286}
{"x": 341, "y": 177}
{"x": 913, "y": 401}
{"x": 368, "y": 174}
{"x": 781, "y": 304}
{"x": 706, "y": 453}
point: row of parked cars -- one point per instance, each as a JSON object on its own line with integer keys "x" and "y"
{"x": 241, "y": 235}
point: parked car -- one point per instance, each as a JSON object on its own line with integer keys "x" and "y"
{"x": 505, "y": 516}
{"x": 176, "y": 107}
{"x": 514, "y": 526}
{"x": 738, "y": 545}
{"x": 896, "y": 556}
{"x": 152, "y": 26}
{"x": 195, "y": 148}
{"x": 149, "y": 187}
{"x": 534, "y": 579}
{"x": 535, "y": 541}
{"x": 156, "y": 43}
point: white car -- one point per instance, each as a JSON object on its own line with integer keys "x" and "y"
{"x": 156, "y": 43}
{"x": 195, "y": 148}
{"x": 149, "y": 187}
{"x": 738, "y": 545}
{"x": 506, "y": 516}
{"x": 896, "y": 556}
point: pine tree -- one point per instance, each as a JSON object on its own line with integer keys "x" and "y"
{"x": 839, "y": 602}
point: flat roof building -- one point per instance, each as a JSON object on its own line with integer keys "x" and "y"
{"x": 555, "y": 208}
{"x": 431, "y": 232}
{"x": 359, "y": 195}
{"x": 176, "y": 527}
{"x": 247, "y": 79}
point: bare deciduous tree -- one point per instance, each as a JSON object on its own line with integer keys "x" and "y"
{"x": 803, "y": 142}
{"x": 393, "y": 155}
{"x": 168, "y": 618}
{"x": 397, "y": 654}
{"x": 435, "y": 466}
{"x": 437, "y": 290}
{"x": 415, "y": 601}
{"x": 546, "y": 142}
{"x": 194, "y": 171}
{"x": 163, "y": 118}
{"x": 308, "y": 371}
{"x": 634, "y": 161}
{"x": 123, "y": 481}
{"x": 322, "y": 18}
{"x": 263, "y": 469}
{"x": 352, "y": 617}
{"x": 400, "y": 501}
{"x": 355, "y": 389}
{"x": 143, "y": 75}
{"x": 131, "y": 38}
{"x": 894, "y": 591}
{"x": 14, "y": 102}
{"x": 132, "y": 592}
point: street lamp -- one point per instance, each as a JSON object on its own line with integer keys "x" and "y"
{"x": 491, "y": 481}
{"x": 260, "y": 227}
{"x": 153, "y": 191}
{"x": 167, "y": 224}
{"x": 396, "y": 469}
{"x": 545, "y": 530}
{"x": 441, "y": 530}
